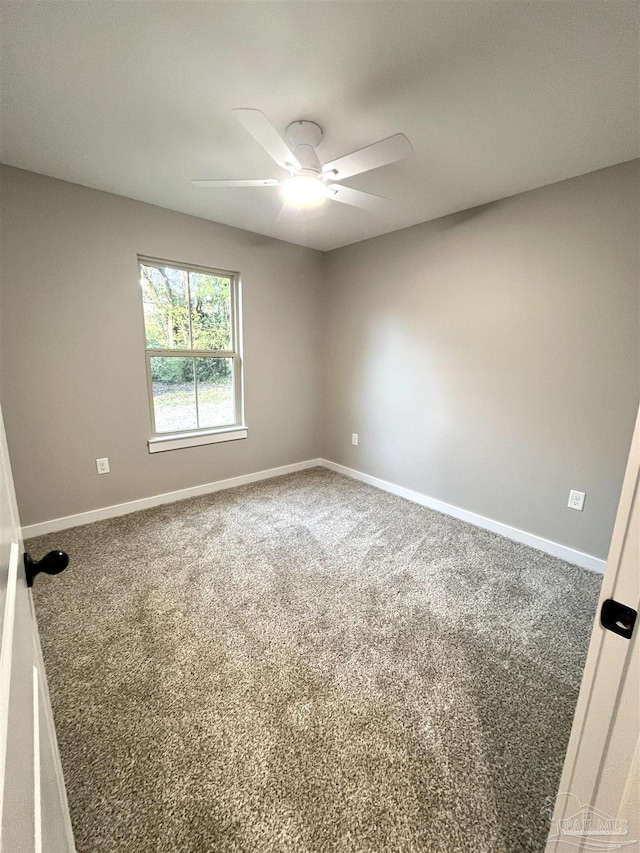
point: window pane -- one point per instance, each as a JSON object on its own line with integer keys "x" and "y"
{"x": 174, "y": 397}
{"x": 166, "y": 311}
{"x": 216, "y": 405}
{"x": 210, "y": 311}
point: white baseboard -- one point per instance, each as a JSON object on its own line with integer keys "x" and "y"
{"x": 570, "y": 555}
{"x": 67, "y": 521}
{"x": 578, "y": 558}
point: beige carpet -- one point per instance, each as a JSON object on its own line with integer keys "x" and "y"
{"x": 309, "y": 664}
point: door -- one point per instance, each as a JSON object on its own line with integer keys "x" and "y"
{"x": 34, "y": 817}
{"x": 598, "y": 807}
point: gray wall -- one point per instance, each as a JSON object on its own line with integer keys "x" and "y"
{"x": 72, "y": 359}
{"x": 490, "y": 359}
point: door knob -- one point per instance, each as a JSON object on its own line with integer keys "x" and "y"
{"x": 51, "y": 564}
{"x": 618, "y": 618}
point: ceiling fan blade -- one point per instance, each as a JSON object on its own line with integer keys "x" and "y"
{"x": 377, "y": 154}
{"x": 265, "y": 134}
{"x": 268, "y": 182}
{"x": 355, "y": 197}
{"x": 289, "y": 212}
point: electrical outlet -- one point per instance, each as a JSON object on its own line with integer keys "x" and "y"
{"x": 102, "y": 465}
{"x": 576, "y": 500}
{"x": 354, "y": 438}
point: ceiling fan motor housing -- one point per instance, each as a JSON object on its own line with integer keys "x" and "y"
{"x": 303, "y": 136}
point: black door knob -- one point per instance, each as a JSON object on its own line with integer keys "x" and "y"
{"x": 618, "y": 618}
{"x": 51, "y": 564}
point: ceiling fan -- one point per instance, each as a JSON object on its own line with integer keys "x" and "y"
{"x": 310, "y": 183}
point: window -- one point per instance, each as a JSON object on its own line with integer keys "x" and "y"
{"x": 194, "y": 369}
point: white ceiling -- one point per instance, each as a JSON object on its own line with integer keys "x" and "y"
{"x": 135, "y": 98}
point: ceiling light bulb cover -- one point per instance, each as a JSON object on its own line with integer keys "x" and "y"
{"x": 304, "y": 190}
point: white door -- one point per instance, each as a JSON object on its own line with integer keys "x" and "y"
{"x": 33, "y": 804}
{"x": 598, "y": 805}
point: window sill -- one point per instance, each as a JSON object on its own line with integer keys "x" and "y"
{"x": 176, "y": 441}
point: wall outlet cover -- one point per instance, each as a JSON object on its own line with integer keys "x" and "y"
{"x": 102, "y": 465}
{"x": 576, "y": 500}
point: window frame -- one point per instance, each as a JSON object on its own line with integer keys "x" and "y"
{"x": 201, "y": 435}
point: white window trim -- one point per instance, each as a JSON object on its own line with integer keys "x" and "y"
{"x": 159, "y": 442}
{"x": 176, "y": 441}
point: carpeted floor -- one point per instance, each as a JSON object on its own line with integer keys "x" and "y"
{"x": 309, "y": 664}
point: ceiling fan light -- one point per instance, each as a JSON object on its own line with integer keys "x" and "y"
{"x": 304, "y": 190}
